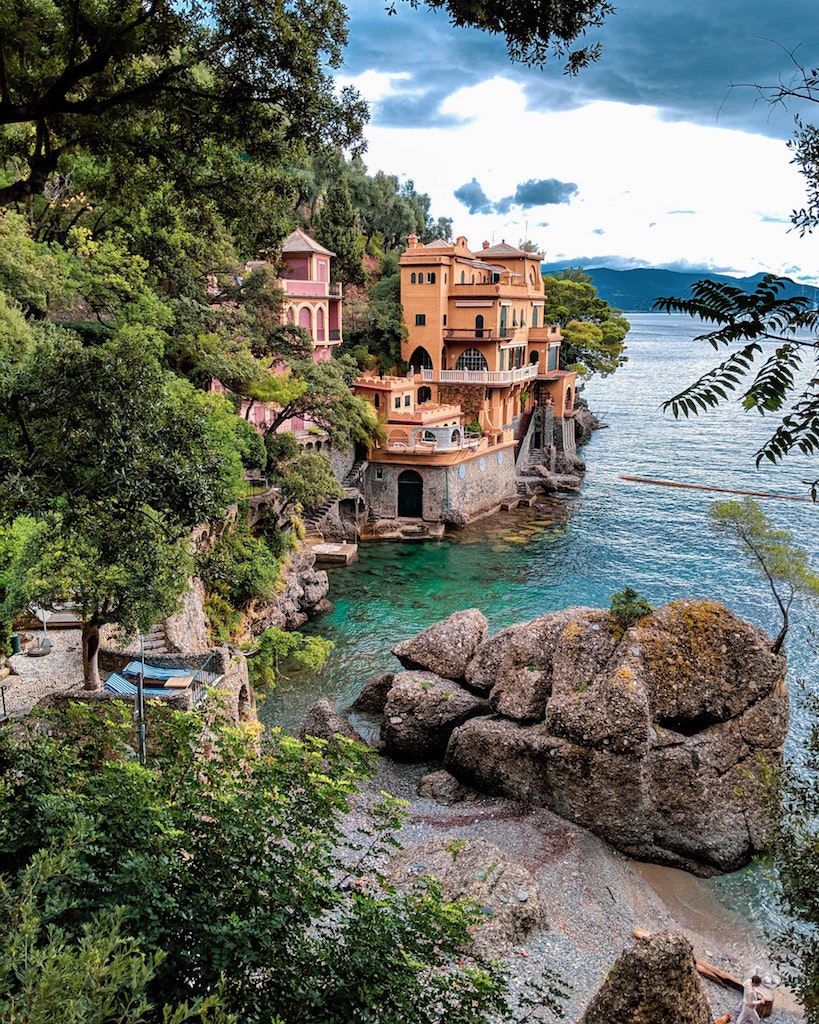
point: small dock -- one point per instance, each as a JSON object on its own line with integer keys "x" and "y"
{"x": 334, "y": 554}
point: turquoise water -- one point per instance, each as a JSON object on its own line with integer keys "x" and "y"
{"x": 580, "y": 549}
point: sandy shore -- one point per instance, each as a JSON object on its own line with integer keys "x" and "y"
{"x": 594, "y": 897}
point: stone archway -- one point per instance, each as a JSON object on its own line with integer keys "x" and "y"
{"x": 410, "y": 495}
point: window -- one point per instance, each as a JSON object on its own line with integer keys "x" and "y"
{"x": 444, "y": 319}
{"x": 479, "y": 326}
{"x": 446, "y": 278}
{"x": 463, "y": 276}
{"x": 407, "y": 400}
{"x": 397, "y": 401}
{"x": 534, "y": 316}
{"x": 473, "y": 279}
{"x": 412, "y": 277}
{"x": 522, "y": 319}
{"x": 430, "y": 278}
{"x": 514, "y": 318}
{"x": 377, "y": 400}
{"x": 503, "y": 359}
{"x": 379, "y": 472}
{"x": 420, "y": 319}
{"x": 472, "y": 359}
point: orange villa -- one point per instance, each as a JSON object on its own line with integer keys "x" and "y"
{"x": 483, "y": 398}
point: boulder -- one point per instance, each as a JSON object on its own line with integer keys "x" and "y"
{"x": 654, "y": 980}
{"x": 374, "y": 695}
{"x": 420, "y": 713}
{"x": 441, "y": 787}
{"x": 478, "y": 870}
{"x": 325, "y": 723}
{"x": 447, "y": 647}
{"x": 651, "y": 738}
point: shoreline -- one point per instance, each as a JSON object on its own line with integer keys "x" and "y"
{"x": 593, "y": 896}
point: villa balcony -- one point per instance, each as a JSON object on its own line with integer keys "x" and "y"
{"x": 431, "y": 441}
{"x": 488, "y": 378}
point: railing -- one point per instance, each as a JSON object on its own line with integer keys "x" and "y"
{"x": 205, "y": 678}
{"x": 254, "y": 487}
{"x": 334, "y": 288}
{"x": 334, "y": 334}
{"x": 498, "y": 377}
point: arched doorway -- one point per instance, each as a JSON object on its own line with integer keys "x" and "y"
{"x": 410, "y": 495}
{"x": 424, "y": 395}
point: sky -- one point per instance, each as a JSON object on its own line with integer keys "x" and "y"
{"x": 662, "y": 154}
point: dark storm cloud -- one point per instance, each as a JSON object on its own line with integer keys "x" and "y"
{"x": 474, "y": 198}
{"x": 682, "y": 60}
{"x": 543, "y": 192}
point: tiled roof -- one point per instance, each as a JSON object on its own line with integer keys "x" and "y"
{"x": 503, "y": 249}
{"x": 439, "y": 243}
{"x": 300, "y": 242}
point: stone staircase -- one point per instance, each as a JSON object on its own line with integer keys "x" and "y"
{"x": 351, "y": 479}
{"x": 156, "y": 642}
{"x": 312, "y": 518}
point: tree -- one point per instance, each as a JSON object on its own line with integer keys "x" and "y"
{"x": 594, "y": 332}
{"x": 336, "y": 228}
{"x": 118, "y": 461}
{"x": 777, "y": 559}
{"x": 768, "y": 381}
{"x": 326, "y": 400}
{"x": 238, "y": 865}
{"x": 129, "y": 81}
{"x": 532, "y": 30}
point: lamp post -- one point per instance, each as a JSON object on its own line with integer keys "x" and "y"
{"x": 141, "y": 701}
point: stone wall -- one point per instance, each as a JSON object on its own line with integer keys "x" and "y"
{"x": 487, "y": 480}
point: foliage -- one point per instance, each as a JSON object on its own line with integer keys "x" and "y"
{"x": 533, "y": 30}
{"x": 308, "y": 482}
{"x": 324, "y": 397}
{"x": 235, "y": 570}
{"x": 98, "y": 975}
{"x": 776, "y": 558}
{"x": 239, "y": 863}
{"x": 275, "y": 645}
{"x": 119, "y": 461}
{"x": 377, "y": 325}
{"x": 594, "y": 333}
{"x": 744, "y": 321}
{"x": 627, "y": 606}
{"x": 336, "y": 229}
{"x": 189, "y": 86}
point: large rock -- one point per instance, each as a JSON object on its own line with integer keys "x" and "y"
{"x": 421, "y": 711}
{"x": 447, "y": 647}
{"x": 304, "y": 592}
{"x": 651, "y": 739}
{"x": 655, "y": 980}
{"x": 478, "y": 870}
{"x": 374, "y": 695}
{"x": 325, "y": 723}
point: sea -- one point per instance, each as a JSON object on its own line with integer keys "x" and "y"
{"x": 581, "y": 549}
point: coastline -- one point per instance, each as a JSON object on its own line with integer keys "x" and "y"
{"x": 593, "y": 896}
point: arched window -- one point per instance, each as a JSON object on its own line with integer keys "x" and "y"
{"x": 479, "y": 326}
{"x": 291, "y": 316}
{"x": 534, "y": 316}
{"x": 504, "y": 314}
{"x": 424, "y": 395}
{"x": 421, "y": 359}
{"x": 377, "y": 400}
{"x": 533, "y": 357}
{"x": 473, "y": 279}
{"x": 305, "y": 319}
{"x": 320, "y": 324}
{"x": 472, "y": 359}
{"x": 430, "y": 278}
{"x": 522, "y": 319}
{"x": 514, "y": 318}
{"x": 463, "y": 276}
{"x": 412, "y": 277}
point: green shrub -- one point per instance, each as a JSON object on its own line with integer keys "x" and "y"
{"x": 627, "y": 606}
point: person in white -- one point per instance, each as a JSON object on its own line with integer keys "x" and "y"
{"x": 751, "y": 998}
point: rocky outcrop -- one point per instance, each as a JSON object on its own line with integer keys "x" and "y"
{"x": 447, "y": 647}
{"x": 652, "y": 738}
{"x": 585, "y": 422}
{"x": 655, "y": 980}
{"x": 478, "y": 870}
{"x": 373, "y": 697}
{"x": 325, "y": 723}
{"x": 303, "y": 595}
{"x": 420, "y": 713}
{"x": 441, "y": 787}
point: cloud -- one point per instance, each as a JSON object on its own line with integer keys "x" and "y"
{"x": 474, "y": 198}
{"x": 534, "y": 192}
{"x": 599, "y": 231}
{"x": 675, "y": 213}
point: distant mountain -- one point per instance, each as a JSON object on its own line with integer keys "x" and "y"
{"x": 634, "y": 291}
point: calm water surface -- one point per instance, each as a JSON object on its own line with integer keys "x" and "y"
{"x": 579, "y": 550}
